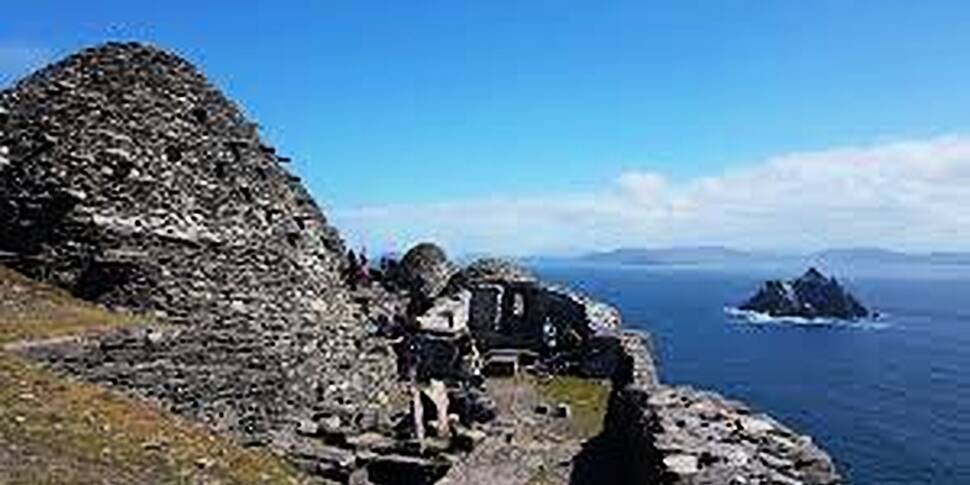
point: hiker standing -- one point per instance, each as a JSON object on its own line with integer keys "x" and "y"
{"x": 353, "y": 270}
{"x": 363, "y": 269}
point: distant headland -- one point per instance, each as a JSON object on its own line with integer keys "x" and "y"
{"x": 727, "y": 255}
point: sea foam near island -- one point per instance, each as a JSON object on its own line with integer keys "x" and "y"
{"x": 877, "y": 322}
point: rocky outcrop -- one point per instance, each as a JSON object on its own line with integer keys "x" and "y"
{"x": 810, "y": 296}
{"x": 425, "y": 270}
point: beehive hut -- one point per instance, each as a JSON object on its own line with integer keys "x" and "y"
{"x": 129, "y": 179}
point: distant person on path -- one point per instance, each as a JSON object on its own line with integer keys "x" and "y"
{"x": 363, "y": 269}
{"x": 389, "y": 272}
{"x": 353, "y": 270}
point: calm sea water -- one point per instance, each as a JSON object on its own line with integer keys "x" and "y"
{"x": 890, "y": 401}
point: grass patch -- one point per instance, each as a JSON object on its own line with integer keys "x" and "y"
{"x": 56, "y": 430}
{"x": 32, "y": 311}
{"x": 60, "y": 324}
{"x": 541, "y": 477}
{"x": 586, "y": 397}
{"x": 53, "y": 430}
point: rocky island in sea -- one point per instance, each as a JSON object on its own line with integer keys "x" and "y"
{"x": 810, "y": 296}
{"x": 129, "y": 180}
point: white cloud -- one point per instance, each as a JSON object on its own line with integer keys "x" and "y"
{"x": 909, "y": 195}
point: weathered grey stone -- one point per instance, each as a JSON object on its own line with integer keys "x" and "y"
{"x": 701, "y": 438}
{"x": 331, "y": 424}
{"x": 527, "y": 314}
{"x": 142, "y": 187}
{"x": 449, "y": 314}
{"x": 681, "y": 464}
{"x": 308, "y": 427}
{"x": 485, "y": 307}
{"x": 425, "y": 270}
{"x": 492, "y": 270}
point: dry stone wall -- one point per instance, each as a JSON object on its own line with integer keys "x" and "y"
{"x": 129, "y": 179}
{"x": 132, "y": 181}
{"x": 656, "y": 433}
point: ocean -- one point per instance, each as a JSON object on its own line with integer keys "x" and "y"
{"x": 889, "y": 400}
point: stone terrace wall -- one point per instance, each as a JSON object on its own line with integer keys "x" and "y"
{"x": 677, "y": 435}
{"x": 639, "y": 369}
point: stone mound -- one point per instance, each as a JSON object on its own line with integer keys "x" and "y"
{"x": 129, "y": 179}
{"x": 426, "y": 270}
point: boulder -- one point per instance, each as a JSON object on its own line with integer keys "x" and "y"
{"x": 425, "y": 270}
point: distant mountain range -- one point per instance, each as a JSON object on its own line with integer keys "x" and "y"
{"x": 720, "y": 254}
{"x": 674, "y": 255}
{"x": 887, "y": 256}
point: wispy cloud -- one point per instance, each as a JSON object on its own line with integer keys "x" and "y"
{"x": 908, "y": 194}
{"x": 17, "y": 60}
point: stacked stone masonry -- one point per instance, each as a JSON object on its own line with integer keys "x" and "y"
{"x": 658, "y": 433}
{"x": 129, "y": 179}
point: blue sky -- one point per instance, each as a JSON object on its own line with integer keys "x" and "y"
{"x": 392, "y": 110}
